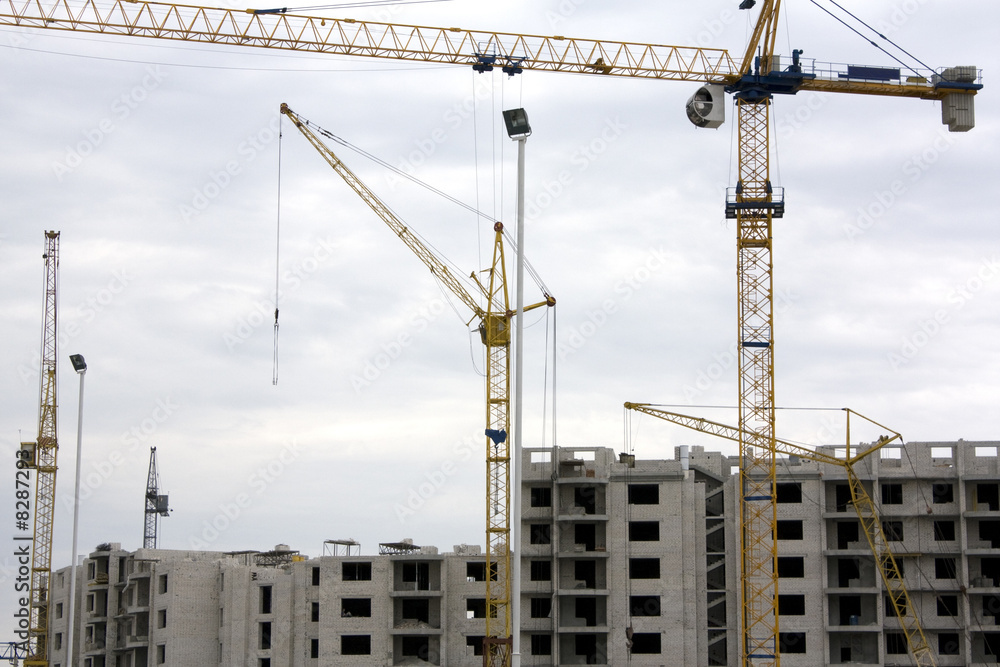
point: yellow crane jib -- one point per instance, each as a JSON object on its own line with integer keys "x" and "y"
{"x": 862, "y": 502}
{"x": 494, "y": 330}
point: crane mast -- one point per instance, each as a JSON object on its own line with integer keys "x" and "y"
{"x": 156, "y": 504}
{"x": 495, "y": 334}
{"x": 41, "y": 457}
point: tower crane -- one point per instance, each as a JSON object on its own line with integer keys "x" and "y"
{"x": 495, "y": 333}
{"x": 40, "y": 456}
{"x": 864, "y": 507}
{"x": 754, "y": 202}
{"x": 156, "y": 505}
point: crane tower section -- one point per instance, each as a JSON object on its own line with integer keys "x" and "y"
{"x": 41, "y": 457}
{"x": 156, "y": 505}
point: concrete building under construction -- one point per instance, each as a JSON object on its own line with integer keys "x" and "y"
{"x": 624, "y": 561}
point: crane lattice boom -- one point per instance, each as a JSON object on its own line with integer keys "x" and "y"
{"x": 41, "y": 456}
{"x": 495, "y": 333}
{"x": 864, "y": 507}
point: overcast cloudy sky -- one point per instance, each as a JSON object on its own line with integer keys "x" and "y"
{"x": 159, "y": 164}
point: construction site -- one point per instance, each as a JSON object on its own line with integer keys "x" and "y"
{"x": 267, "y": 365}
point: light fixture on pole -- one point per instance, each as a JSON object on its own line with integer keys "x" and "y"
{"x": 80, "y": 366}
{"x": 518, "y": 129}
{"x": 517, "y": 124}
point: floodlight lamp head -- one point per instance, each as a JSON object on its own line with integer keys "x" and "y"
{"x": 516, "y": 121}
{"x": 79, "y": 365}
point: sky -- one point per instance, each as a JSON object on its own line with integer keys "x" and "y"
{"x": 182, "y": 211}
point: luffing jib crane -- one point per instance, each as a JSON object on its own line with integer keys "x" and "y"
{"x": 40, "y": 456}
{"x": 864, "y": 507}
{"x": 753, "y": 202}
{"x": 495, "y": 332}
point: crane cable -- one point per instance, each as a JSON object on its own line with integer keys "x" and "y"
{"x": 413, "y": 179}
{"x": 277, "y": 259}
{"x": 858, "y": 33}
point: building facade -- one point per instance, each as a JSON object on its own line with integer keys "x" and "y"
{"x": 623, "y": 561}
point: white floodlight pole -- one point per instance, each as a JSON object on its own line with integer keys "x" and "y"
{"x": 80, "y": 366}
{"x": 518, "y": 129}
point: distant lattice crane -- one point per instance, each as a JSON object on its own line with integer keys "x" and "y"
{"x": 40, "y": 456}
{"x": 156, "y": 505}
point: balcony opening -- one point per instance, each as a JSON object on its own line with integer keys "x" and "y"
{"x": 847, "y": 533}
{"x": 988, "y": 497}
{"x": 586, "y": 497}
{"x": 416, "y": 647}
{"x": 848, "y": 570}
{"x": 586, "y": 609}
{"x": 585, "y": 572}
{"x": 418, "y": 610}
{"x": 418, "y": 574}
{"x": 850, "y": 609}
{"x": 586, "y": 535}
{"x": 586, "y": 647}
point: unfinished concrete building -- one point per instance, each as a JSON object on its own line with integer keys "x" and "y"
{"x": 624, "y": 560}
